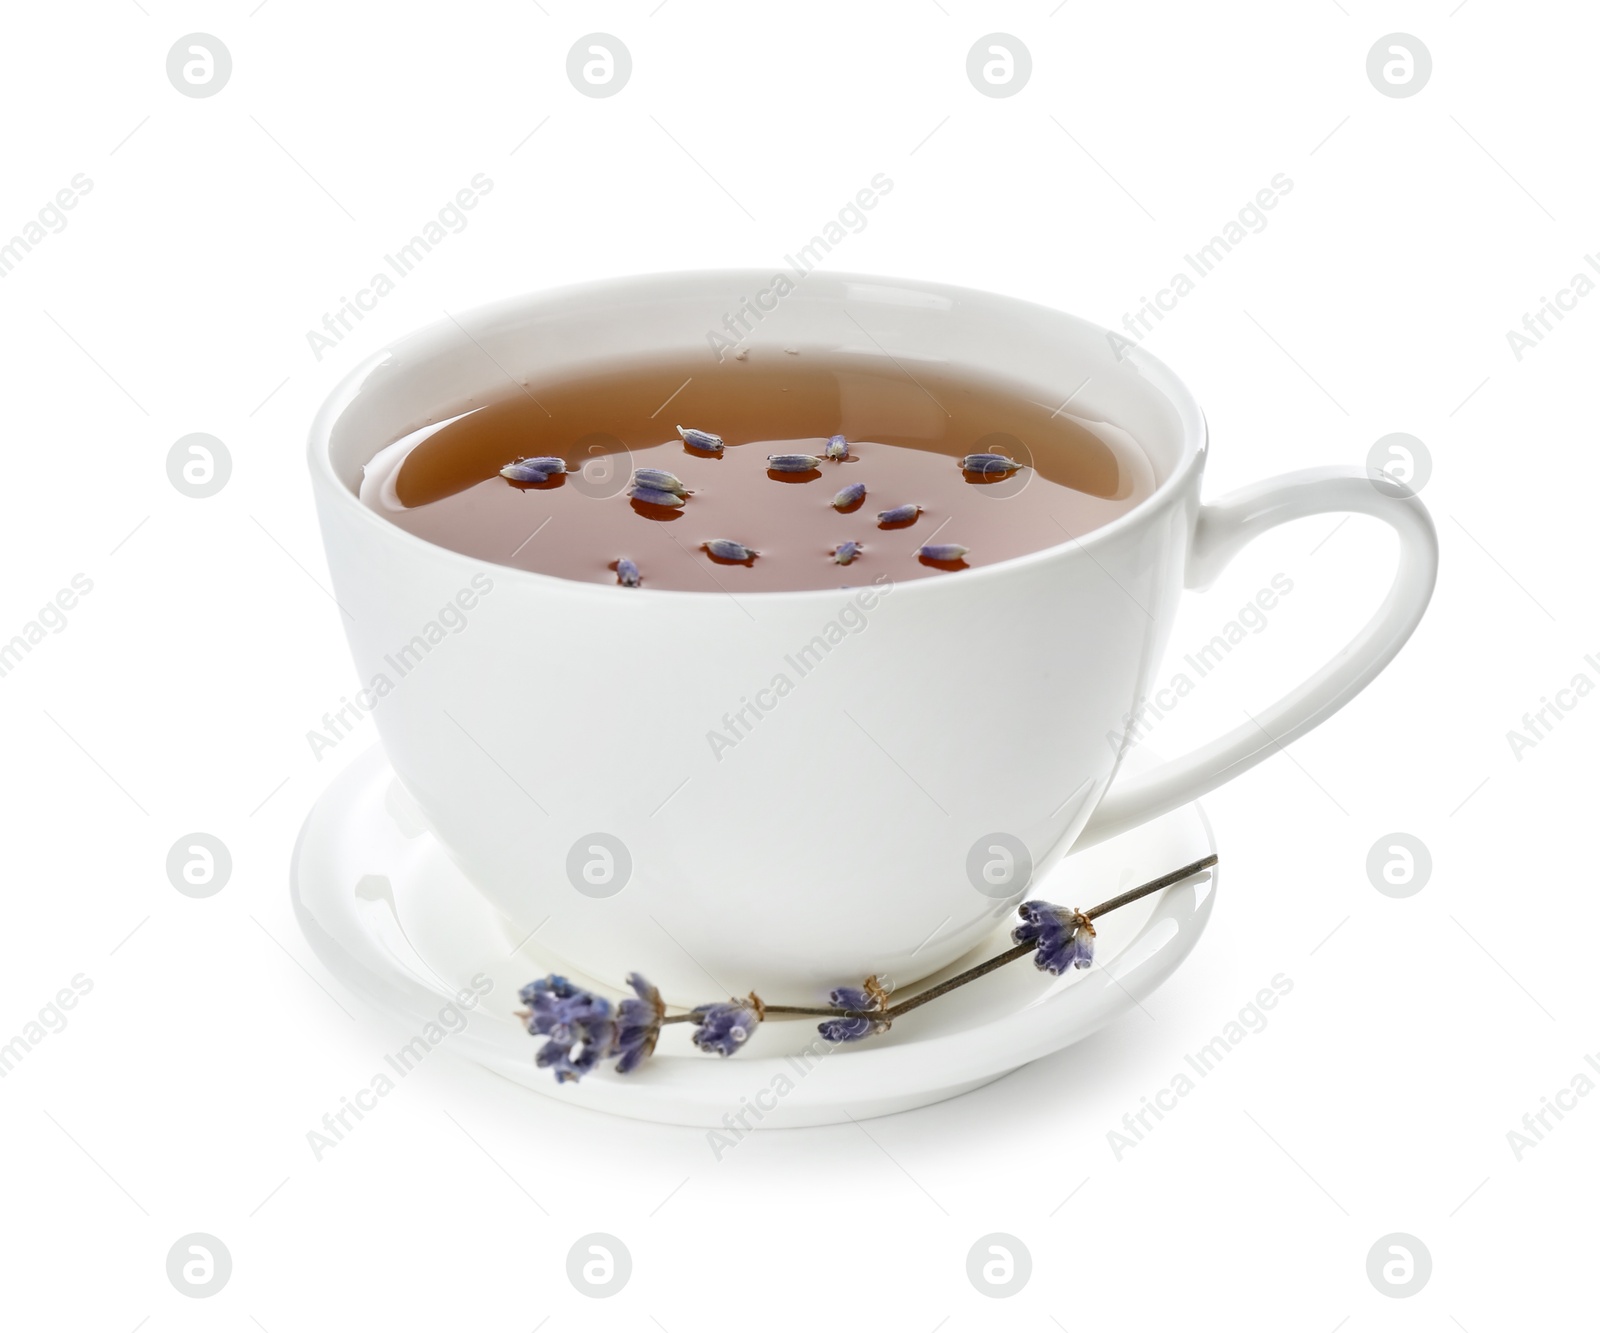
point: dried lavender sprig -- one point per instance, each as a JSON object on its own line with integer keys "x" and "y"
{"x": 793, "y": 462}
{"x": 702, "y": 440}
{"x": 584, "y": 1028}
{"x": 852, "y": 494}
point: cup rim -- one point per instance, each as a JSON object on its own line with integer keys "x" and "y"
{"x": 1162, "y": 379}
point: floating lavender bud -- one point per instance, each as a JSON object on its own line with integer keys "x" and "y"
{"x": 724, "y": 549}
{"x": 658, "y": 480}
{"x": 627, "y": 573}
{"x": 870, "y": 997}
{"x": 532, "y": 471}
{"x": 577, "y": 1023}
{"x": 942, "y": 551}
{"x": 989, "y": 465}
{"x": 638, "y": 1024}
{"x": 900, "y": 514}
{"x": 837, "y": 448}
{"x": 648, "y": 495}
{"x": 1064, "y": 937}
{"x": 853, "y": 494}
{"x": 793, "y": 462}
{"x": 724, "y": 1028}
{"x": 845, "y": 552}
{"x": 702, "y": 440}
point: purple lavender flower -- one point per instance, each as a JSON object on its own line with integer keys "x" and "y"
{"x": 638, "y": 1024}
{"x": 703, "y": 440}
{"x": 724, "y": 1028}
{"x": 577, "y": 1023}
{"x": 648, "y": 495}
{"x": 792, "y": 462}
{"x": 943, "y": 551}
{"x": 989, "y": 465}
{"x": 628, "y": 573}
{"x": 853, "y": 494}
{"x": 659, "y": 480}
{"x": 722, "y": 548}
{"x": 836, "y": 448}
{"x": 850, "y": 1029}
{"x": 899, "y": 514}
{"x": 532, "y": 471}
{"x": 870, "y": 994}
{"x": 845, "y": 552}
{"x": 869, "y": 997}
{"x": 1064, "y": 936}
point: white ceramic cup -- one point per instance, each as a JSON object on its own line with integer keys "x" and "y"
{"x": 888, "y": 806}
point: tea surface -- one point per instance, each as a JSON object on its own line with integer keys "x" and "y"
{"x": 906, "y": 430}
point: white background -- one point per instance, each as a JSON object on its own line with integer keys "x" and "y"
{"x": 178, "y": 697}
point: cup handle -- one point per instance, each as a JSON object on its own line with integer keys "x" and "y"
{"x": 1221, "y": 531}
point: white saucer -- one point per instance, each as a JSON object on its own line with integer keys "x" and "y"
{"x": 396, "y": 922}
